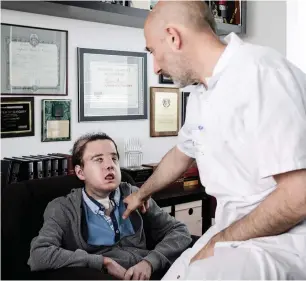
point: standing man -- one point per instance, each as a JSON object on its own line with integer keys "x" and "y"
{"x": 246, "y": 128}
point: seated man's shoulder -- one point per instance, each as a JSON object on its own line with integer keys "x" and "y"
{"x": 63, "y": 203}
{"x": 127, "y": 188}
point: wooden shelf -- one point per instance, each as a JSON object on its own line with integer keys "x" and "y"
{"x": 82, "y": 10}
{"x": 96, "y": 11}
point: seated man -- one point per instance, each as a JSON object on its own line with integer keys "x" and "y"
{"x": 86, "y": 229}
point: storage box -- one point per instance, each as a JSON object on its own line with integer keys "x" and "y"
{"x": 191, "y": 215}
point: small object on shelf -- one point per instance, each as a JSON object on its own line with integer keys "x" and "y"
{"x": 223, "y": 9}
{"x": 153, "y": 3}
{"x": 140, "y": 4}
{"x": 133, "y": 152}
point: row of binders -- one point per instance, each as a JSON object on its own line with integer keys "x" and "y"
{"x": 17, "y": 169}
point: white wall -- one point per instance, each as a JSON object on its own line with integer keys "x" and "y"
{"x": 266, "y": 24}
{"x": 260, "y": 29}
{"x": 296, "y": 32}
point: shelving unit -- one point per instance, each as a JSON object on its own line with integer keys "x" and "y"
{"x": 96, "y": 11}
{"x": 85, "y": 10}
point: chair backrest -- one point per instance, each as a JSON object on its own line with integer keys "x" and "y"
{"x": 22, "y": 208}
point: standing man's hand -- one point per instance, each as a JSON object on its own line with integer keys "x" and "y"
{"x": 133, "y": 202}
{"x": 114, "y": 268}
{"x": 206, "y": 252}
{"x": 140, "y": 271}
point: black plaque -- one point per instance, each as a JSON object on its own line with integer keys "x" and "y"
{"x": 17, "y": 117}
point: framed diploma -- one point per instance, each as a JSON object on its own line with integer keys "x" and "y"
{"x": 17, "y": 117}
{"x": 56, "y": 120}
{"x": 185, "y": 96}
{"x": 164, "y": 110}
{"x": 34, "y": 61}
{"x": 112, "y": 85}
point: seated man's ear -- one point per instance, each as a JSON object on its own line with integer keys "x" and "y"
{"x": 79, "y": 172}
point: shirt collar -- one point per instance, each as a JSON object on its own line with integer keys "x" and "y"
{"x": 93, "y": 207}
{"x": 233, "y": 43}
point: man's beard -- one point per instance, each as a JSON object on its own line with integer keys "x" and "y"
{"x": 181, "y": 74}
{"x": 183, "y": 82}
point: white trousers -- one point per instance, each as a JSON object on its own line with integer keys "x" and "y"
{"x": 240, "y": 260}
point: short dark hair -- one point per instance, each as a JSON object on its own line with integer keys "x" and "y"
{"x": 80, "y": 145}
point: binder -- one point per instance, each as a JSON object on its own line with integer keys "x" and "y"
{"x": 23, "y": 169}
{"x": 54, "y": 165}
{"x": 6, "y": 168}
{"x": 62, "y": 164}
{"x": 69, "y": 162}
{"x": 38, "y": 166}
{"x": 46, "y": 161}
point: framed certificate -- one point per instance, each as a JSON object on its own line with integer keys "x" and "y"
{"x": 164, "y": 110}
{"x": 112, "y": 85}
{"x": 56, "y": 120}
{"x": 185, "y": 96}
{"x": 34, "y": 61}
{"x": 17, "y": 117}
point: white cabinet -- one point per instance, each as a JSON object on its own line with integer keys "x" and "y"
{"x": 191, "y": 215}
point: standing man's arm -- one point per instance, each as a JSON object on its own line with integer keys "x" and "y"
{"x": 172, "y": 166}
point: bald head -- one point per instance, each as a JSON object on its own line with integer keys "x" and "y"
{"x": 180, "y": 36}
{"x": 195, "y": 15}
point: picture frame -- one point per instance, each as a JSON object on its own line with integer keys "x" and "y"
{"x": 112, "y": 85}
{"x": 164, "y": 111}
{"x": 55, "y": 120}
{"x": 35, "y": 61}
{"x": 185, "y": 96}
{"x": 162, "y": 79}
{"x": 17, "y": 117}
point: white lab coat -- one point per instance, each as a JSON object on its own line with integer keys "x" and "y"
{"x": 248, "y": 125}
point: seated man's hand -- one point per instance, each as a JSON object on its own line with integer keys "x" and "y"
{"x": 140, "y": 271}
{"x": 114, "y": 268}
{"x": 133, "y": 202}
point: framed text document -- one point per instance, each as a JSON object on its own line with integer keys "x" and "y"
{"x": 34, "y": 61}
{"x": 112, "y": 85}
{"x": 164, "y": 110}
